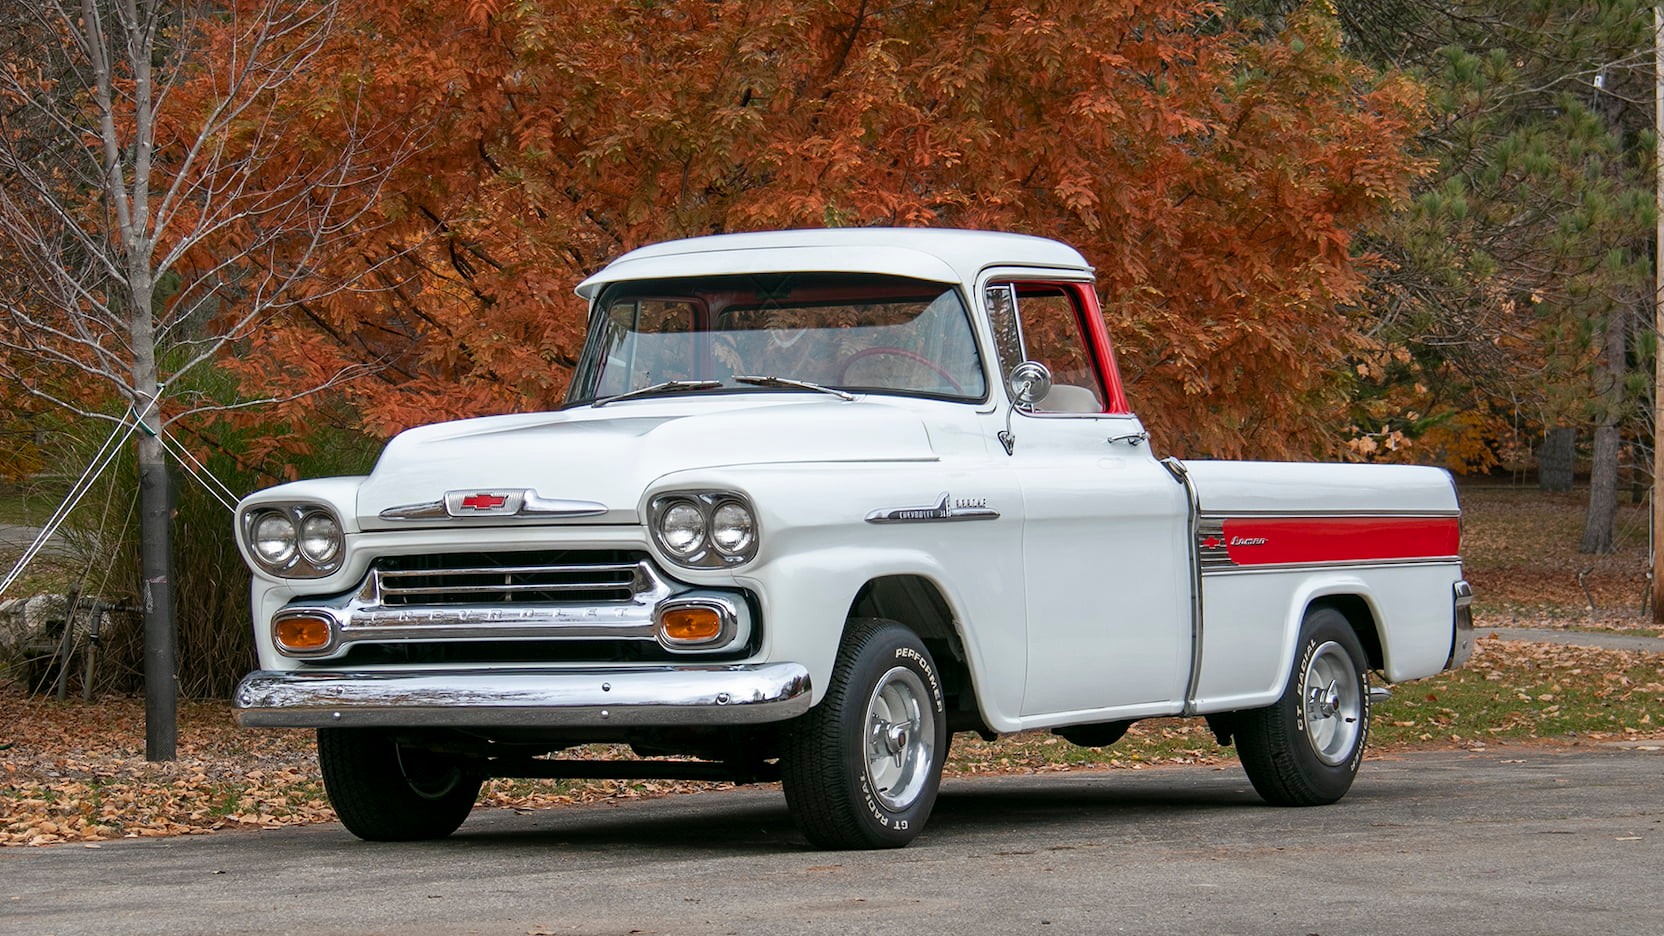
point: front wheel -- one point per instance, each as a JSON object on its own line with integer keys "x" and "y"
{"x": 1305, "y": 749}
{"x": 862, "y": 768}
{"x": 385, "y": 791}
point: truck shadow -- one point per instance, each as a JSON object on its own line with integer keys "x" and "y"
{"x": 757, "y": 820}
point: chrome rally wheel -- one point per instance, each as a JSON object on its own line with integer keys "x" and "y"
{"x": 1334, "y": 703}
{"x": 901, "y": 733}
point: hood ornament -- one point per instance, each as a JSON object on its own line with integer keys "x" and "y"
{"x": 499, "y": 502}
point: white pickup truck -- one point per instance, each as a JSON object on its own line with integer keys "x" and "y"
{"x": 816, "y": 501}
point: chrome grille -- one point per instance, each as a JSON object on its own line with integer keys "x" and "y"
{"x": 541, "y": 577}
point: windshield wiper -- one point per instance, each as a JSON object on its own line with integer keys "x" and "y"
{"x": 668, "y": 386}
{"x": 771, "y": 381}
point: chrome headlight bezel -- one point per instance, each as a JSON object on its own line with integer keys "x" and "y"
{"x": 704, "y": 552}
{"x": 298, "y": 561}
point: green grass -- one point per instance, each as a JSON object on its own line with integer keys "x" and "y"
{"x": 1519, "y": 691}
{"x": 19, "y": 506}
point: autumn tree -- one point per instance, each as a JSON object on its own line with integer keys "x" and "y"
{"x": 156, "y": 204}
{"x": 1215, "y": 178}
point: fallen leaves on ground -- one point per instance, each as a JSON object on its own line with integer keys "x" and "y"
{"x": 1525, "y": 691}
{"x": 1520, "y": 552}
{"x": 75, "y": 772}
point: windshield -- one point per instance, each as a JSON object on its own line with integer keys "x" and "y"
{"x": 860, "y": 333}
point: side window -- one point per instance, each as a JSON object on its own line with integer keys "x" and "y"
{"x": 1036, "y": 322}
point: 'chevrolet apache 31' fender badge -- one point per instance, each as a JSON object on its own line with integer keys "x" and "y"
{"x": 946, "y": 509}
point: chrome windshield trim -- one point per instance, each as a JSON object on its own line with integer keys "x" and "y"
{"x": 591, "y": 696}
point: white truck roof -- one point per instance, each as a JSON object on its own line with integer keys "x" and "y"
{"x": 938, "y": 255}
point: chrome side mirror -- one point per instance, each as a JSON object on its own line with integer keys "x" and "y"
{"x": 1029, "y": 383}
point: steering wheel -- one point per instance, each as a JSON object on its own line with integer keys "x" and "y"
{"x": 903, "y": 353}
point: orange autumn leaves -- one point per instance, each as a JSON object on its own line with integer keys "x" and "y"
{"x": 1215, "y": 181}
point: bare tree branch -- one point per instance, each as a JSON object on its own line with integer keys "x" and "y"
{"x": 156, "y": 211}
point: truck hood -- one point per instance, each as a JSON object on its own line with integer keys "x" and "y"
{"x": 609, "y": 456}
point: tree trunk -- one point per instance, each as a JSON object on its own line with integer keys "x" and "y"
{"x": 161, "y": 679}
{"x": 1603, "y": 470}
{"x": 1556, "y": 459}
{"x": 161, "y": 634}
{"x": 1603, "y": 490}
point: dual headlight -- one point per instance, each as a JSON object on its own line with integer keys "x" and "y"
{"x": 704, "y": 529}
{"x": 294, "y": 540}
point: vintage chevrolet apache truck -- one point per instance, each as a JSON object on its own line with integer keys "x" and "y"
{"x": 816, "y": 501}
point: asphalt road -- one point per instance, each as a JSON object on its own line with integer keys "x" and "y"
{"x": 1571, "y": 638}
{"x": 1512, "y": 841}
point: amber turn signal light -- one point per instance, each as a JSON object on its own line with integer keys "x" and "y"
{"x": 691, "y": 625}
{"x": 302, "y": 633}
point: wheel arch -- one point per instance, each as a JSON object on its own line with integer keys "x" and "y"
{"x": 1365, "y": 621}
{"x": 922, "y": 605}
{"x": 1247, "y": 661}
{"x": 1347, "y": 593}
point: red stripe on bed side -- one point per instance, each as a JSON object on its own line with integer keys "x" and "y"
{"x": 1281, "y": 541}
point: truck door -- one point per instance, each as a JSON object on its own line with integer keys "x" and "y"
{"x": 1105, "y": 562}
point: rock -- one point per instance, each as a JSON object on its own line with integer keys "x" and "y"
{"x": 25, "y": 620}
{"x": 12, "y": 629}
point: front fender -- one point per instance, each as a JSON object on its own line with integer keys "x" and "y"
{"x": 817, "y": 550}
{"x": 807, "y": 597}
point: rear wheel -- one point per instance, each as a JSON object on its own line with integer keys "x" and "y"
{"x": 384, "y": 791}
{"x": 861, "y": 770}
{"x": 1305, "y": 749}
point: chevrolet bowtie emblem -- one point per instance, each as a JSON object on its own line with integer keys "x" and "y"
{"x": 482, "y": 501}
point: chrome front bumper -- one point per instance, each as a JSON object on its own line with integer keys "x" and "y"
{"x": 636, "y": 696}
